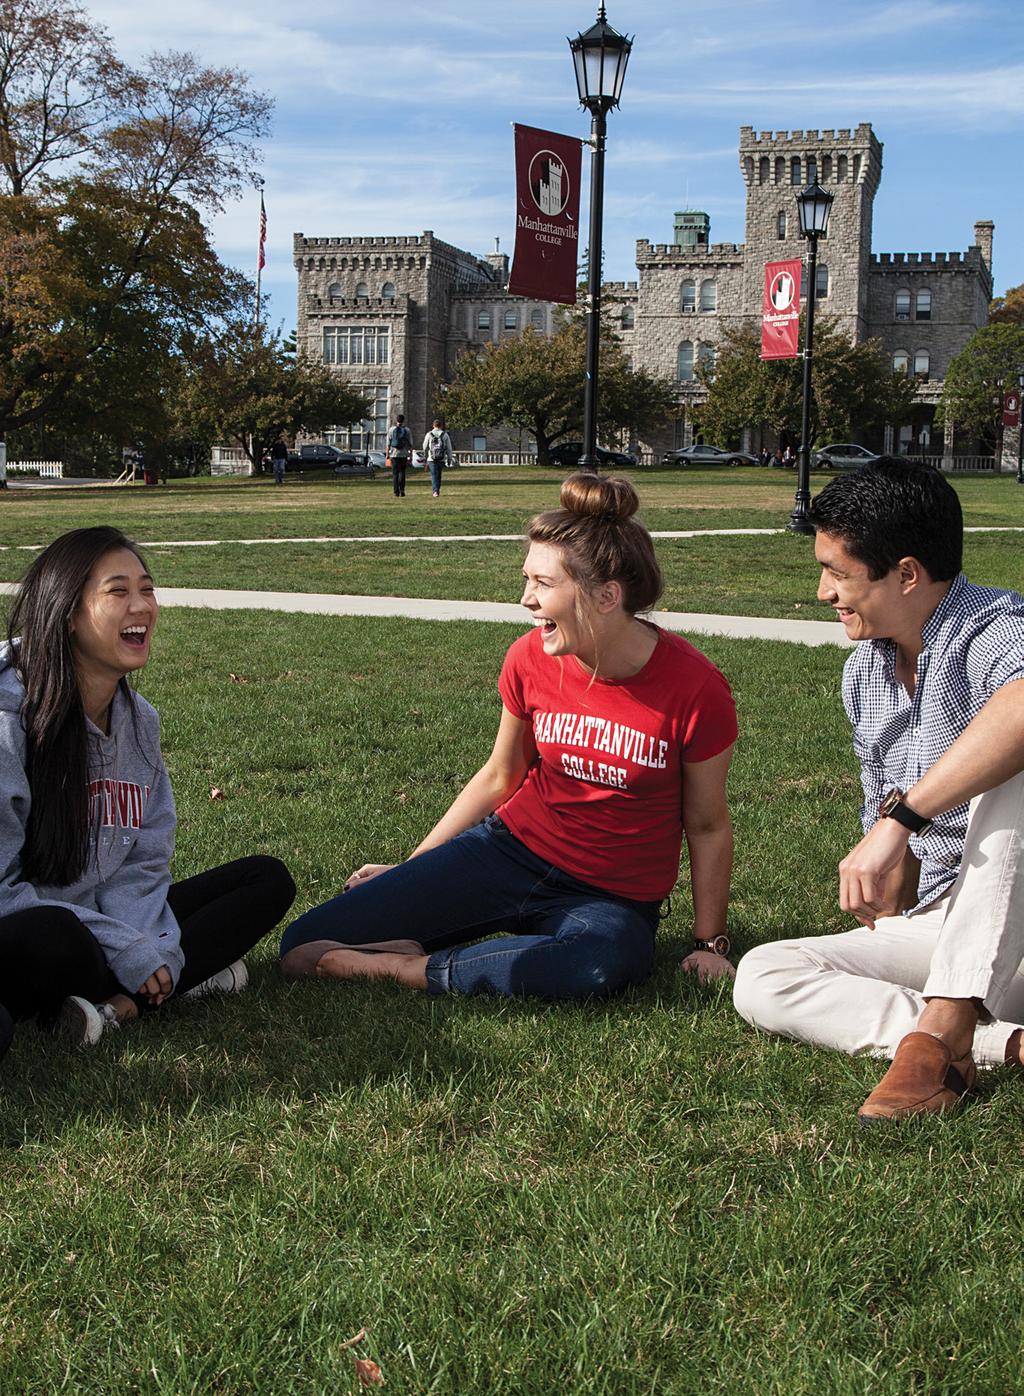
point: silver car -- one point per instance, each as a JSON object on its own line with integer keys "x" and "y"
{"x": 707, "y": 455}
{"x": 844, "y": 455}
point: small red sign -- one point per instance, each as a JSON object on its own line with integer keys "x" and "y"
{"x": 544, "y": 266}
{"x": 780, "y": 310}
{"x": 1011, "y": 409}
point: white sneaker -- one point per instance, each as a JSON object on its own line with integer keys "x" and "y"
{"x": 227, "y": 981}
{"x": 82, "y": 1023}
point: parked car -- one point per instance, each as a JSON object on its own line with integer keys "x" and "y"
{"x": 568, "y": 453}
{"x": 844, "y": 455}
{"x": 707, "y": 455}
{"x": 318, "y": 455}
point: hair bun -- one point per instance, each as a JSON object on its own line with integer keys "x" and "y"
{"x": 607, "y": 497}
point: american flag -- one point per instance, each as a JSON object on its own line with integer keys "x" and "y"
{"x": 261, "y": 260}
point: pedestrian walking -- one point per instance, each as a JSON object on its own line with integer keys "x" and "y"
{"x": 399, "y": 453}
{"x": 279, "y": 460}
{"x": 437, "y": 447}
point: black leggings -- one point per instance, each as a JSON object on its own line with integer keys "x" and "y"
{"x": 46, "y": 953}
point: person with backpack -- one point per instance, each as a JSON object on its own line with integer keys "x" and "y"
{"x": 437, "y": 447}
{"x": 399, "y": 453}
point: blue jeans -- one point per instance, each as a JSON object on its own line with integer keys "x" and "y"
{"x": 436, "y": 467}
{"x": 561, "y": 938}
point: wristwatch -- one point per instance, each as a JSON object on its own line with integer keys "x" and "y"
{"x": 895, "y": 807}
{"x": 720, "y": 945}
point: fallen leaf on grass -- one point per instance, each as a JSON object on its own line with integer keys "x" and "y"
{"x": 401, "y": 797}
{"x": 368, "y": 1372}
{"x": 216, "y": 793}
{"x": 238, "y": 678}
{"x": 351, "y": 1342}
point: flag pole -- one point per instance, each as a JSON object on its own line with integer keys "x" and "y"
{"x": 261, "y": 255}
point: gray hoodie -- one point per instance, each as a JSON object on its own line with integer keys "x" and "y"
{"x": 121, "y": 896}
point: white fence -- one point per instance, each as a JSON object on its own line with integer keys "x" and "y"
{"x": 958, "y": 465}
{"x": 52, "y": 469}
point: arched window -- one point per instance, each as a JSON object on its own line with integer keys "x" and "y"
{"x": 812, "y": 169}
{"x": 923, "y": 306}
{"x": 842, "y": 166}
{"x": 387, "y": 291}
{"x": 856, "y": 168}
{"x": 794, "y": 170}
{"x": 763, "y": 170}
{"x": 686, "y": 361}
{"x": 334, "y": 290}
{"x": 922, "y": 363}
{"x": 483, "y": 320}
{"x": 688, "y": 297}
{"x": 820, "y": 282}
{"x": 780, "y": 224}
{"x": 902, "y": 310}
{"x": 707, "y": 360}
{"x": 628, "y": 318}
{"x": 537, "y": 319}
{"x": 826, "y": 168}
{"x": 901, "y": 361}
{"x": 362, "y": 292}
{"x": 780, "y": 170}
{"x": 709, "y": 295}
{"x": 511, "y": 320}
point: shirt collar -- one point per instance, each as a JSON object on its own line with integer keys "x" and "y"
{"x": 950, "y": 605}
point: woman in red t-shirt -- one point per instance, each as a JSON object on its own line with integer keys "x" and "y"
{"x": 613, "y": 746}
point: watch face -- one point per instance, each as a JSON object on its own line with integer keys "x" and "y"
{"x": 720, "y": 945}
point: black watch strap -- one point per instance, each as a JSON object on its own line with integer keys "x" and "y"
{"x": 721, "y": 945}
{"x": 895, "y": 807}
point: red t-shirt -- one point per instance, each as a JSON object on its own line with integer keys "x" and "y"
{"x": 603, "y": 799}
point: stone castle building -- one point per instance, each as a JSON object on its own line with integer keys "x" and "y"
{"x": 395, "y": 313}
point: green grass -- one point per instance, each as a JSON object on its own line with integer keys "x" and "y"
{"x": 635, "y": 1197}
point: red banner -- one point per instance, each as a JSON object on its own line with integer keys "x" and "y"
{"x": 1011, "y": 409}
{"x": 547, "y": 216}
{"x": 780, "y": 310}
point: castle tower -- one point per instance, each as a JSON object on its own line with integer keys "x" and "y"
{"x": 776, "y": 166}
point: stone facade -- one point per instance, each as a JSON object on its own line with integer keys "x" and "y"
{"x": 430, "y": 301}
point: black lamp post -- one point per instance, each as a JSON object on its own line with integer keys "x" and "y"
{"x": 600, "y": 56}
{"x": 814, "y": 205}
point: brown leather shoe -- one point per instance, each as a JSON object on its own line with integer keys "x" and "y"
{"x": 922, "y": 1080}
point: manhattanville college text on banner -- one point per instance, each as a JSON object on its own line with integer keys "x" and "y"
{"x": 780, "y": 311}
{"x": 547, "y": 216}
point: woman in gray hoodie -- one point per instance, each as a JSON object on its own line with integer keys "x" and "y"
{"x": 92, "y": 930}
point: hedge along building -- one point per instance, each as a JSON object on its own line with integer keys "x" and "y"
{"x": 394, "y": 313}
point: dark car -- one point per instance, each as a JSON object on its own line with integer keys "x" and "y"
{"x": 321, "y": 456}
{"x": 842, "y": 455}
{"x": 568, "y": 454}
{"x": 707, "y": 455}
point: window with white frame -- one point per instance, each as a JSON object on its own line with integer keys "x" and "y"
{"x": 483, "y": 320}
{"x": 688, "y": 295}
{"x": 922, "y": 363}
{"x": 923, "y": 305}
{"x": 709, "y": 295}
{"x": 511, "y": 320}
{"x": 901, "y": 361}
{"x": 902, "y": 309}
{"x": 368, "y": 433}
{"x": 685, "y": 370}
{"x": 352, "y": 344}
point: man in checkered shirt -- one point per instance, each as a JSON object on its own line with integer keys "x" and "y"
{"x": 935, "y": 692}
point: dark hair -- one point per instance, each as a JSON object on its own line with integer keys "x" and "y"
{"x": 600, "y": 540}
{"x": 892, "y": 508}
{"x": 57, "y": 756}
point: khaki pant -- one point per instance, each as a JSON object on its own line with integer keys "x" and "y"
{"x": 863, "y": 991}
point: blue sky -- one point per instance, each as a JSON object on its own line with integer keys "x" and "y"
{"x": 394, "y": 117}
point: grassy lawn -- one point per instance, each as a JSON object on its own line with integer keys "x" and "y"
{"x": 767, "y": 576}
{"x": 635, "y": 1197}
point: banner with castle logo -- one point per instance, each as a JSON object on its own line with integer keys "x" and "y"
{"x": 547, "y": 216}
{"x": 780, "y": 310}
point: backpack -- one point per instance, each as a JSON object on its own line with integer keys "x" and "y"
{"x": 401, "y": 442}
{"x": 437, "y": 451}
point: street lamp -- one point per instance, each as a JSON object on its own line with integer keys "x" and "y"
{"x": 600, "y": 57}
{"x": 1020, "y": 426}
{"x": 814, "y": 205}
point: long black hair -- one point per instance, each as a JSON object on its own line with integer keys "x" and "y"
{"x": 52, "y": 714}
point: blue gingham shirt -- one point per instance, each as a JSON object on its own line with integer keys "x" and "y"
{"x": 973, "y": 644}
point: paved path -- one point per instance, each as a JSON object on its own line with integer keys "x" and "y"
{"x": 802, "y": 632}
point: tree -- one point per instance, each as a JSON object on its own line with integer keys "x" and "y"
{"x": 976, "y": 379}
{"x": 535, "y": 384}
{"x": 1008, "y": 309}
{"x": 852, "y": 389}
{"x": 106, "y": 266}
